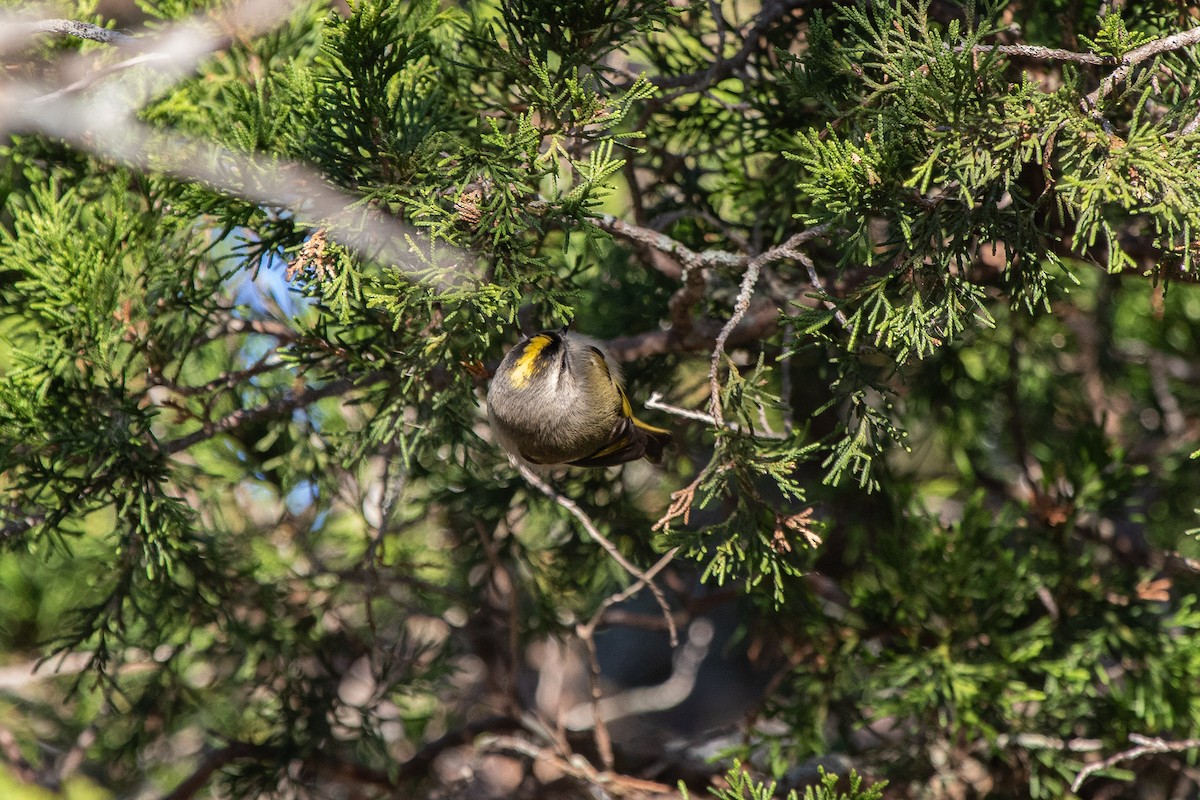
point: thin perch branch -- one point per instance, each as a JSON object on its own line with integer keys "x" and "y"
{"x": 655, "y": 403}
{"x": 1044, "y": 53}
{"x": 1136, "y": 56}
{"x": 642, "y": 578}
{"x": 788, "y": 249}
{"x": 275, "y": 408}
{"x": 1145, "y": 745}
{"x": 691, "y": 259}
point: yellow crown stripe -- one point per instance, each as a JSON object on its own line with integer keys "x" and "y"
{"x": 522, "y": 371}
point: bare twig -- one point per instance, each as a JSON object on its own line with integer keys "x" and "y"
{"x": 588, "y": 525}
{"x": 1144, "y": 745}
{"x": 1043, "y": 53}
{"x": 643, "y": 699}
{"x": 69, "y": 27}
{"x": 788, "y": 249}
{"x": 606, "y": 784}
{"x": 633, "y": 589}
{"x": 811, "y": 268}
{"x": 722, "y": 68}
{"x": 655, "y": 403}
{"x": 227, "y": 324}
{"x": 269, "y": 362}
{"x": 286, "y": 404}
{"x": 587, "y": 633}
{"x": 103, "y": 121}
{"x": 665, "y": 244}
{"x": 599, "y": 726}
{"x": 1136, "y": 56}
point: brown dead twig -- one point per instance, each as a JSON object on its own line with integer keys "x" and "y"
{"x": 607, "y": 783}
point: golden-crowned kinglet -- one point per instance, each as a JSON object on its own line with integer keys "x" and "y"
{"x": 557, "y": 399}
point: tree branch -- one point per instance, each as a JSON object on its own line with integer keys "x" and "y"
{"x": 1145, "y": 745}
{"x": 723, "y": 68}
{"x": 80, "y": 30}
{"x": 1136, "y": 56}
{"x": 1044, "y": 53}
{"x": 603, "y": 782}
{"x": 104, "y": 123}
{"x": 214, "y": 761}
{"x": 286, "y": 404}
{"x": 749, "y": 280}
{"x": 642, "y": 578}
{"x": 665, "y": 244}
{"x": 699, "y": 336}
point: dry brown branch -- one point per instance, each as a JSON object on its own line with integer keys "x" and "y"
{"x": 266, "y": 327}
{"x": 599, "y": 726}
{"x": 587, "y": 633}
{"x": 269, "y": 362}
{"x": 606, "y": 784}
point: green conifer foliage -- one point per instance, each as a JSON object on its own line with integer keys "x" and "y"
{"x": 912, "y": 283}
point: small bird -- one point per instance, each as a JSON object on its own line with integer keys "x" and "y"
{"x": 557, "y": 399}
